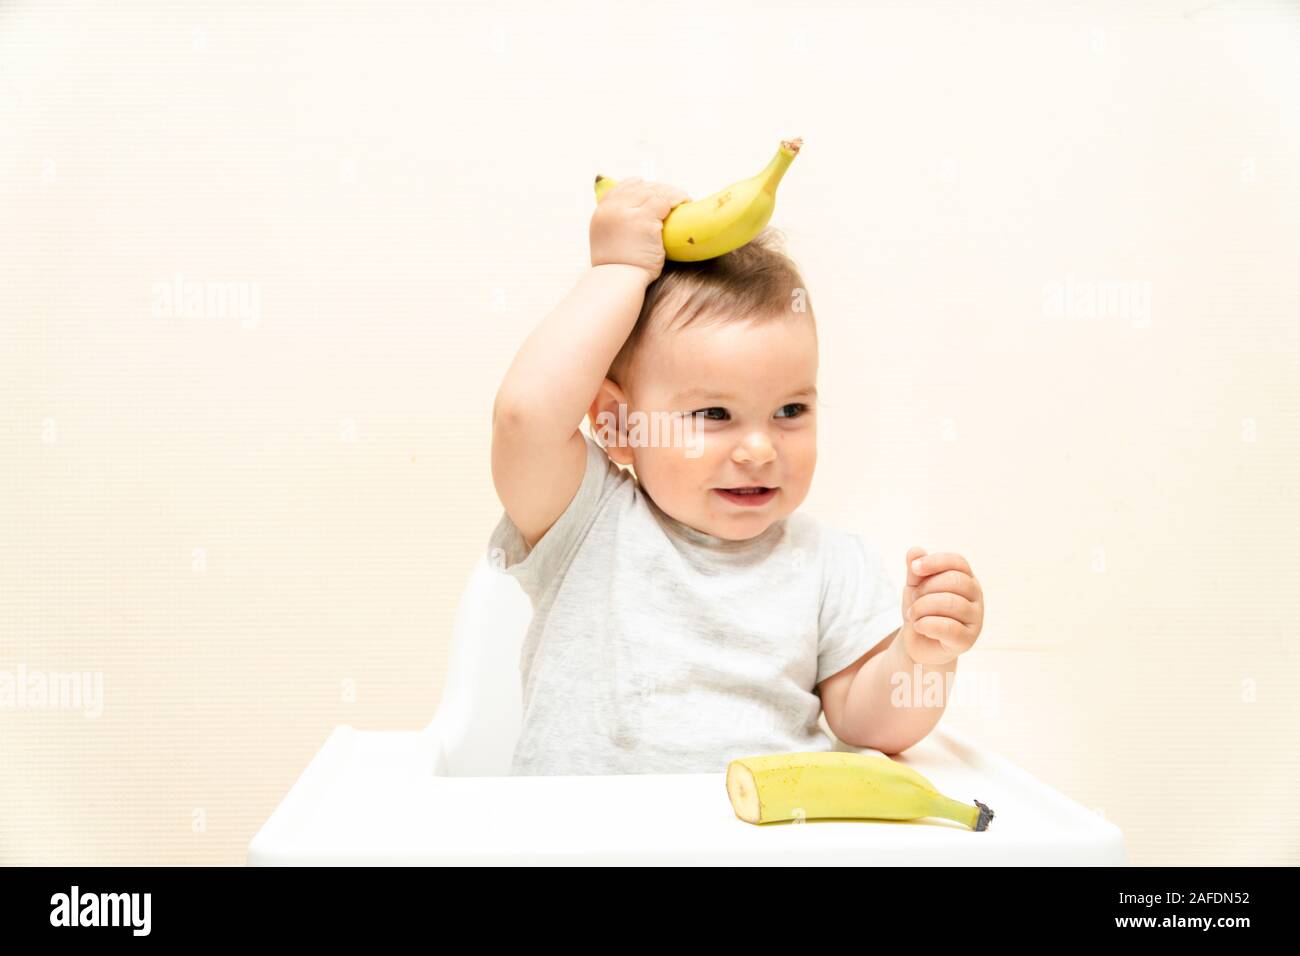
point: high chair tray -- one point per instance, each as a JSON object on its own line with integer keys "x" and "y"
{"x": 369, "y": 797}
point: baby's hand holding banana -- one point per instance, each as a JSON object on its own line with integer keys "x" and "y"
{"x": 627, "y": 226}
{"x": 726, "y": 220}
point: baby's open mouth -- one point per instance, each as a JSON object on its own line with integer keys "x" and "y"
{"x": 748, "y": 494}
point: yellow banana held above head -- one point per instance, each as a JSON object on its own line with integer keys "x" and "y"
{"x": 822, "y": 784}
{"x": 710, "y": 227}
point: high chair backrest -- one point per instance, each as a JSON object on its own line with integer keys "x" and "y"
{"x": 474, "y": 730}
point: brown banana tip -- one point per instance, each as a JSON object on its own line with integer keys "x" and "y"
{"x": 986, "y": 815}
{"x": 599, "y": 177}
{"x": 793, "y": 144}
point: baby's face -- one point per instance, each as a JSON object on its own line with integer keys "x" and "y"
{"x": 747, "y": 396}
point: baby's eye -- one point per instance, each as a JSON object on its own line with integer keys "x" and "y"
{"x": 798, "y": 407}
{"x": 703, "y": 413}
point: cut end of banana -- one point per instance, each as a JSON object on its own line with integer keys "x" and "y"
{"x": 792, "y": 144}
{"x": 985, "y": 816}
{"x": 743, "y": 792}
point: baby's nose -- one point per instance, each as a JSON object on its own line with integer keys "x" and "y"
{"x": 755, "y": 448}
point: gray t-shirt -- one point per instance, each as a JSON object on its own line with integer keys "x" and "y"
{"x": 657, "y": 648}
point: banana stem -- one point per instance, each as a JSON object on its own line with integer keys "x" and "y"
{"x": 771, "y": 176}
{"x": 976, "y": 816}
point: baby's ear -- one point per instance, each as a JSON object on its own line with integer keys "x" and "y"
{"x": 608, "y": 415}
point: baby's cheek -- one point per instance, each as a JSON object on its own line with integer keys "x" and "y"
{"x": 668, "y": 475}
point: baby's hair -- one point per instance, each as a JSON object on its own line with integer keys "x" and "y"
{"x": 758, "y": 281}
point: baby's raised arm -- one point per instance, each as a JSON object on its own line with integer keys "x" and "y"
{"x": 538, "y": 454}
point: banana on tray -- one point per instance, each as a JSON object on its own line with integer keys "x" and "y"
{"x": 832, "y": 784}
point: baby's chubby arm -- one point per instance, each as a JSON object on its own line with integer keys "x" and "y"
{"x": 943, "y": 615}
{"x": 538, "y": 454}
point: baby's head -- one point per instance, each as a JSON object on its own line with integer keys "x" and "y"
{"x": 718, "y": 382}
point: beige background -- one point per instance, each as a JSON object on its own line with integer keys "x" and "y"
{"x": 254, "y": 531}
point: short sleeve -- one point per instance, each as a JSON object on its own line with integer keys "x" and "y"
{"x": 860, "y": 605}
{"x": 534, "y": 568}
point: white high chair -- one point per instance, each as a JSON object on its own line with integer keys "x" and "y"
{"x": 443, "y": 795}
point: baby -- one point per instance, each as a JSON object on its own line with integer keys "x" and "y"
{"x": 686, "y": 614}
